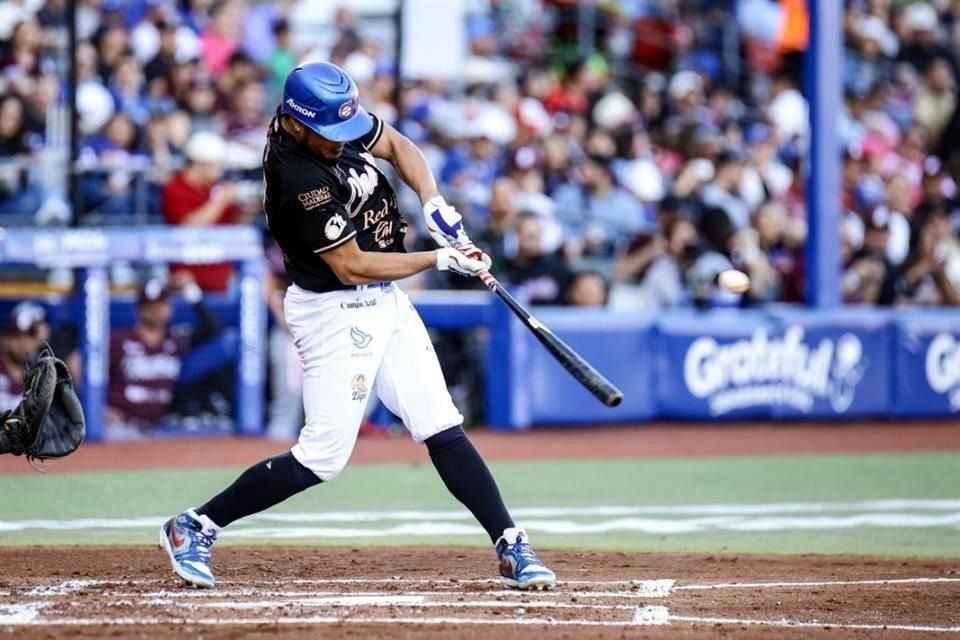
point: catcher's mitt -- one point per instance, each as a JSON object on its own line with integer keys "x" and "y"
{"x": 48, "y": 422}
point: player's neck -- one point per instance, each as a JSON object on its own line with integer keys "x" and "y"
{"x": 288, "y": 127}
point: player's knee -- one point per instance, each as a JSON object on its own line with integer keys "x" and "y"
{"x": 445, "y": 438}
{"x": 303, "y": 477}
{"x": 326, "y": 468}
{"x": 330, "y": 473}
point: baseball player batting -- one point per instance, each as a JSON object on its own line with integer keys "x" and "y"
{"x": 335, "y": 217}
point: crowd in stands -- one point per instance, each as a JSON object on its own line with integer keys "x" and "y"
{"x": 624, "y": 174}
{"x": 619, "y": 153}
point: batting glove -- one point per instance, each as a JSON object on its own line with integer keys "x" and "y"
{"x": 444, "y": 223}
{"x": 449, "y": 259}
{"x": 467, "y": 248}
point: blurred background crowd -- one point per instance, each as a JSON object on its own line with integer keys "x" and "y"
{"x": 614, "y": 153}
{"x": 608, "y": 153}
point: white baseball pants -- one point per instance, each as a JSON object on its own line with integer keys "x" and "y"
{"x": 352, "y": 343}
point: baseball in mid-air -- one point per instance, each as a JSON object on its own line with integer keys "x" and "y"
{"x": 734, "y": 281}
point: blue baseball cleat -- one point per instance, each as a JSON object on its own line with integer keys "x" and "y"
{"x": 187, "y": 539}
{"x": 520, "y": 567}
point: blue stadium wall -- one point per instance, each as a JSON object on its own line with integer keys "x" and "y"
{"x": 779, "y": 363}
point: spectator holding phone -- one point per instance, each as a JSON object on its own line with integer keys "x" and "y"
{"x": 196, "y": 197}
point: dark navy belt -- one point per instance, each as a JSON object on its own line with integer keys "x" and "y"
{"x": 374, "y": 285}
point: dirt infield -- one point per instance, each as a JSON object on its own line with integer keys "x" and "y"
{"x": 449, "y": 593}
{"x": 664, "y": 440}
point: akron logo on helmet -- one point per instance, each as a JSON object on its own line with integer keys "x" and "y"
{"x": 301, "y": 109}
{"x": 347, "y": 109}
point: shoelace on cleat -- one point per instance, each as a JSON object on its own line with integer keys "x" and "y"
{"x": 201, "y": 543}
{"x": 525, "y": 552}
{"x": 204, "y": 542}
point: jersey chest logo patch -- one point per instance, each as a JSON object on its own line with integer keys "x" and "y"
{"x": 362, "y": 185}
{"x": 315, "y": 198}
{"x": 334, "y": 227}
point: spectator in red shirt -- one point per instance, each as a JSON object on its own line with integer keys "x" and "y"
{"x": 195, "y": 197}
{"x": 573, "y": 94}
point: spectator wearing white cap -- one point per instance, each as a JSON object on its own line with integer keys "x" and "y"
{"x": 196, "y": 197}
{"x": 94, "y": 101}
{"x": 25, "y": 332}
{"x": 867, "y": 268}
{"x": 870, "y": 63}
{"x": 920, "y": 44}
{"x": 471, "y": 167}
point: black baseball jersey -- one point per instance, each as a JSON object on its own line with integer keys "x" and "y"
{"x": 313, "y": 205}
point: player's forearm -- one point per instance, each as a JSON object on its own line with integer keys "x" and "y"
{"x": 386, "y": 267}
{"x": 414, "y": 168}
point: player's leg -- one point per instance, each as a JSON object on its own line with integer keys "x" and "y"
{"x": 410, "y": 383}
{"x": 336, "y": 381}
{"x": 285, "y": 411}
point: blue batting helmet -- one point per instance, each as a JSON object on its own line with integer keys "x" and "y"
{"x": 324, "y": 98}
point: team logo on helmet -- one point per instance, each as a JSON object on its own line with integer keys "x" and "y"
{"x": 347, "y": 109}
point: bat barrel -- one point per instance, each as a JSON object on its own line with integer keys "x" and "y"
{"x": 574, "y": 363}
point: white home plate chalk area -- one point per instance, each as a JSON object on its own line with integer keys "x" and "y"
{"x": 303, "y": 592}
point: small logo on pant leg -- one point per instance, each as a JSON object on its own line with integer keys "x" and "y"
{"x": 358, "y": 387}
{"x": 360, "y": 339}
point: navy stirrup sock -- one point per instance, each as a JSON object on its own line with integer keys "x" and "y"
{"x": 263, "y": 485}
{"x": 468, "y": 479}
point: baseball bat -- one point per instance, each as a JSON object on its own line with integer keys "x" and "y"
{"x": 583, "y": 371}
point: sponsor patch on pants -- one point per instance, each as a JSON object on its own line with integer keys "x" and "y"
{"x": 358, "y": 387}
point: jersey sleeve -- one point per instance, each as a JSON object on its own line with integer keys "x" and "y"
{"x": 320, "y": 218}
{"x": 369, "y": 140}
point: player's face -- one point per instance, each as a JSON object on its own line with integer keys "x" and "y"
{"x": 326, "y": 149}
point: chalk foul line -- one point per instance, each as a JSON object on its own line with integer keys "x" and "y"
{"x": 794, "y": 624}
{"x": 642, "y": 616}
{"x": 813, "y": 583}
